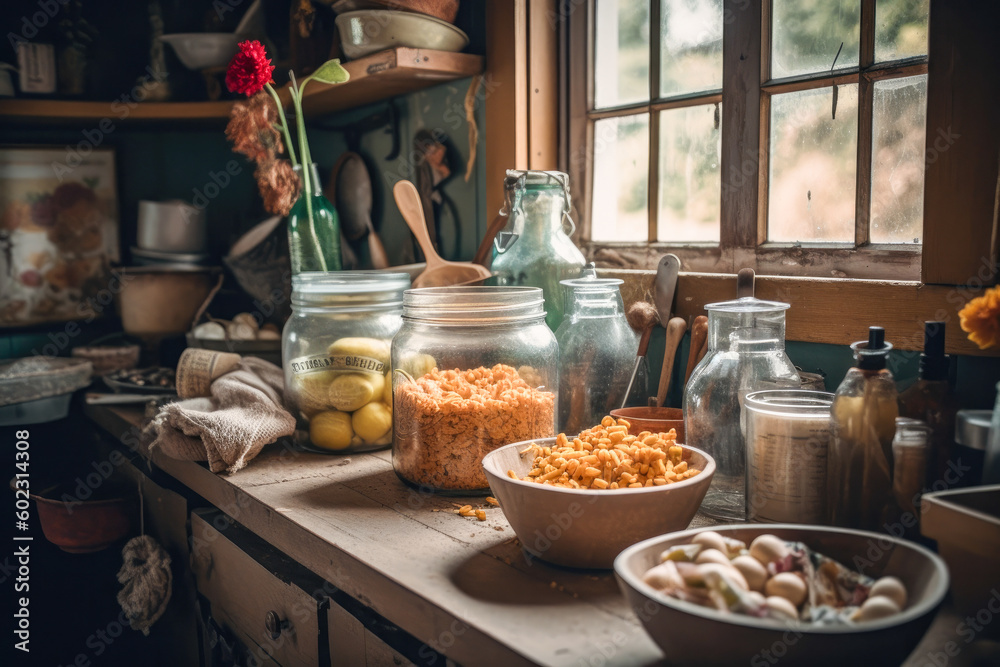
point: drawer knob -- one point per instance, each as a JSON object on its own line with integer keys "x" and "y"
{"x": 274, "y": 625}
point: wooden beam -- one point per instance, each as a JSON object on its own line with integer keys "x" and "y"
{"x": 963, "y": 144}
{"x": 741, "y": 71}
{"x": 837, "y": 312}
{"x": 543, "y": 84}
{"x": 506, "y": 125}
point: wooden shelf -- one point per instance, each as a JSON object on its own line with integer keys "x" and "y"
{"x": 376, "y": 77}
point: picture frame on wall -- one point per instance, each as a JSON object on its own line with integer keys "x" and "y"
{"x": 59, "y": 234}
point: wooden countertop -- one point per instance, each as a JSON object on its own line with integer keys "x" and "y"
{"x": 462, "y": 586}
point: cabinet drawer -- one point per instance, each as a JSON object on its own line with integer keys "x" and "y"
{"x": 276, "y": 620}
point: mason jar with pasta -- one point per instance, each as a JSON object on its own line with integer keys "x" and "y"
{"x": 474, "y": 369}
{"x": 335, "y": 352}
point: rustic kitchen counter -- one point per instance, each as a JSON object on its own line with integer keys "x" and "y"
{"x": 463, "y": 587}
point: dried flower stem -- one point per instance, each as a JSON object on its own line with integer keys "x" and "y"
{"x": 300, "y": 126}
{"x": 284, "y": 124}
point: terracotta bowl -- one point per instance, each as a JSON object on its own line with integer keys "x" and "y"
{"x": 584, "y": 528}
{"x": 86, "y": 526}
{"x": 753, "y": 641}
{"x": 656, "y": 420}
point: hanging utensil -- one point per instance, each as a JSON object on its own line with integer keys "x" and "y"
{"x": 642, "y": 318}
{"x": 439, "y": 272}
{"x": 482, "y": 253}
{"x": 699, "y": 335}
{"x": 745, "y": 280}
{"x": 663, "y": 296}
{"x": 675, "y": 333}
{"x": 350, "y": 188}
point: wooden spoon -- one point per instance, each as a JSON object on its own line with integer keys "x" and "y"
{"x": 699, "y": 335}
{"x": 675, "y": 332}
{"x": 439, "y": 272}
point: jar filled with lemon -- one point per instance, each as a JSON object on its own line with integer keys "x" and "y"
{"x": 335, "y": 349}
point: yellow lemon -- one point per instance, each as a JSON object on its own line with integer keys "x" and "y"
{"x": 331, "y": 430}
{"x": 372, "y": 421}
{"x": 350, "y": 391}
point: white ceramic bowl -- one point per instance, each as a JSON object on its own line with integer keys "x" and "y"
{"x": 693, "y": 635}
{"x": 201, "y": 50}
{"x": 584, "y": 528}
{"x": 368, "y": 31}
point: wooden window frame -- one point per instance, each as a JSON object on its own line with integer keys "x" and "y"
{"x": 534, "y": 42}
{"x": 746, "y": 96}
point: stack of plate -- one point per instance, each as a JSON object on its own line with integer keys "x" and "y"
{"x": 143, "y": 257}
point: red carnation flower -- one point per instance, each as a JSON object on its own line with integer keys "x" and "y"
{"x": 249, "y": 70}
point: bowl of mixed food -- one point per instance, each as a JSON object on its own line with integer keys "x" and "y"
{"x": 808, "y": 595}
{"x": 578, "y": 501}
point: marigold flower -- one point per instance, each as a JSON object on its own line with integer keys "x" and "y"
{"x": 249, "y": 70}
{"x": 981, "y": 319}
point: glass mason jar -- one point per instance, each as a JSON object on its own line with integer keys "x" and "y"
{"x": 597, "y": 349}
{"x": 746, "y": 352}
{"x": 788, "y": 433}
{"x": 474, "y": 369}
{"x": 313, "y": 230}
{"x": 534, "y": 248}
{"x": 335, "y": 353}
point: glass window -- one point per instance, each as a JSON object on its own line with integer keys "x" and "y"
{"x": 621, "y": 53}
{"x": 621, "y": 172}
{"x": 806, "y": 36}
{"x": 901, "y": 29}
{"x": 690, "y": 46}
{"x": 813, "y": 166}
{"x": 899, "y": 124}
{"x": 690, "y": 174}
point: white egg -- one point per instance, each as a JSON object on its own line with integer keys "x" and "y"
{"x": 712, "y": 556}
{"x": 874, "y": 608}
{"x": 710, "y": 571}
{"x": 756, "y": 598}
{"x": 787, "y": 585}
{"x": 709, "y": 539}
{"x": 892, "y": 588}
{"x": 210, "y": 331}
{"x": 781, "y": 608}
{"x": 752, "y": 571}
{"x": 663, "y": 576}
{"x": 768, "y": 548}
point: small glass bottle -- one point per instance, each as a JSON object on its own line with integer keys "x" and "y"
{"x": 930, "y": 400}
{"x": 859, "y": 469}
{"x": 313, "y": 230}
{"x": 746, "y": 352}
{"x": 543, "y": 254}
{"x": 597, "y": 351}
{"x": 911, "y": 447}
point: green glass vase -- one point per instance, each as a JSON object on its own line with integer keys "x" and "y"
{"x": 314, "y": 231}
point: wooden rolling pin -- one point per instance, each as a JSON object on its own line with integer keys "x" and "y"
{"x": 699, "y": 336}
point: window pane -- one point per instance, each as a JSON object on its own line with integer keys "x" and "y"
{"x": 900, "y": 29}
{"x": 621, "y": 53}
{"x": 690, "y": 177}
{"x": 806, "y": 34}
{"x": 899, "y": 121}
{"x": 691, "y": 46}
{"x": 813, "y": 166}
{"x": 621, "y": 165}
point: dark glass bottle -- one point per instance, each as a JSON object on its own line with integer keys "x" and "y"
{"x": 930, "y": 400}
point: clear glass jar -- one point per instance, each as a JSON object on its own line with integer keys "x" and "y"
{"x": 863, "y": 421}
{"x": 474, "y": 369}
{"x": 597, "y": 349}
{"x": 335, "y": 353}
{"x": 746, "y": 352}
{"x": 991, "y": 469}
{"x": 911, "y": 448}
{"x": 535, "y": 248}
{"x": 788, "y": 433}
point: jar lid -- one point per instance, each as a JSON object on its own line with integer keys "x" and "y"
{"x": 592, "y": 284}
{"x": 972, "y": 428}
{"x": 748, "y": 304}
{"x": 539, "y": 180}
{"x": 349, "y": 288}
{"x": 790, "y": 402}
{"x": 473, "y": 305}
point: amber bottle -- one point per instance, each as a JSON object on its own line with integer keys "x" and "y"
{"x": 930, "y": 400}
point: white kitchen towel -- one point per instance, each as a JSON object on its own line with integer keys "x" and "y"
{"x": 244, "y": 413}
